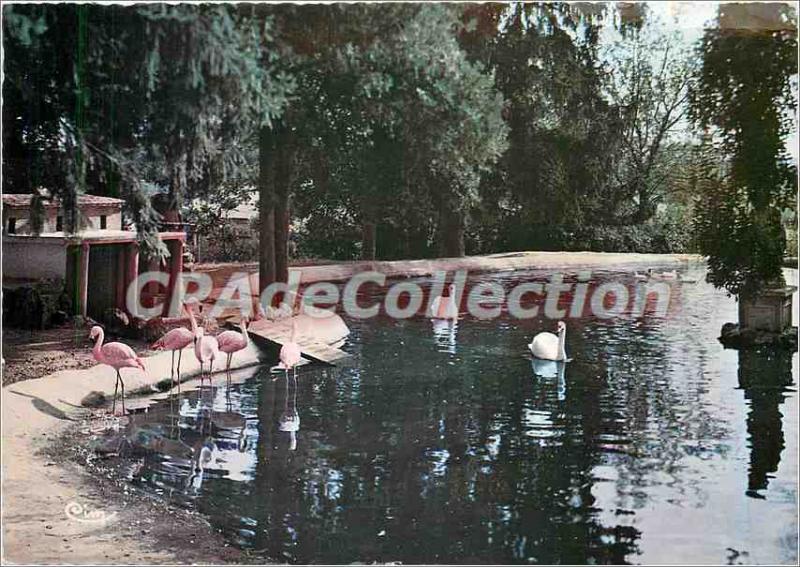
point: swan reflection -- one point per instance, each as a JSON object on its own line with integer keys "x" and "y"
{"x": 552, "y": 369}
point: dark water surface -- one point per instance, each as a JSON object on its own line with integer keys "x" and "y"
{"x": 443, "y": 446}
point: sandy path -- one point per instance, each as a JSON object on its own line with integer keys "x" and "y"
{"x": 37, "y": 490}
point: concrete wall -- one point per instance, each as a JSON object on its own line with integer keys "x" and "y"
{"x": 92, "y": 218}
{"x": 34, "y": 258}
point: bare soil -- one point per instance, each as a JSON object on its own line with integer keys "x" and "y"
{"x": 146, "y": 519}
{"x": 34, "y": 354}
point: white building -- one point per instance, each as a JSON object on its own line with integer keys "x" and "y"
{"x": 97, "y": 264}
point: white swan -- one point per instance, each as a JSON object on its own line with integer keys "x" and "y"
{"x": 548, "y": 346}
{"x": 445, "y": 307}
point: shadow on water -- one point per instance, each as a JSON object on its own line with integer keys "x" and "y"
{"x": 445, "y": 443}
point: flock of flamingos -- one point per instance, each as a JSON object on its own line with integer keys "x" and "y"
{"x": 209, "y": 348}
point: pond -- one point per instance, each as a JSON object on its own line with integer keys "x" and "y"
{"x": 443, "y": 445}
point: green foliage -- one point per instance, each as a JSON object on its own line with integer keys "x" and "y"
{"x": 505, "y": 124}
{"x": 563, "y": 133}
{"x": 744, "y": 246}
{"x": 106, "y": 98}
{"x": 662, "y": 235}
{"x": 744, "y": 97}
{"x": 394, "y": 124}
{"x": 224, "y": 242}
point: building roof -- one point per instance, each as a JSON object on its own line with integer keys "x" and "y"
{"x": 23, "y": 201}
{"x": 91, "y": 237}
{"x": 244, "y": 211}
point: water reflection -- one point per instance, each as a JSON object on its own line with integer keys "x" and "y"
{"x": 204, "y": 458}
{"x": 481, "y": 456}
{"x": 289, "y": 421}
{"x": 765, "y": 378}
{"x": 552, "y": 369}
{"x": 444, "y": 333}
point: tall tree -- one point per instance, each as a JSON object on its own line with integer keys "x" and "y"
{"x": 744, "y": 99}
{"x": 648, "y": 82}
{"x": 563, "y": 132}
{"x": 388, "y": 112}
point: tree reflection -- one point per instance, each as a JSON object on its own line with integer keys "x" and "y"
{"x": 764, "y": 377}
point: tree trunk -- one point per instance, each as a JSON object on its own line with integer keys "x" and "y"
{"x": 368, "y": 240}
{"x": 645, "y": 209}
{"x": 451, "y": 233}
{"x": 282, "y": 238}
{"x": 266, "y": 209}
{"x": 284, "y": 176}
{"x": 177, "y": 183}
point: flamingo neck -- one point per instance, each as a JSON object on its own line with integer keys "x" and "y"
{"x": 294, "y": 327}
{"x": 98, "y": 345}
{"x": 193, "y": 322}
{"x": 197, "y": 343}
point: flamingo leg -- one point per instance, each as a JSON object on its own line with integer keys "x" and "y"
{"x": 172, "y": 368}
{"x": 180, "y": 353}
{"x": 201, "y": 374}
{"x": 116, "y": 389}
{"x": 122, "y": 384}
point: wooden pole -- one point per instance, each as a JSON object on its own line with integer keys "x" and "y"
{"x": 132, "y": 273}
{"x": 83, "y": 280}
{"x": 175, "y": 269}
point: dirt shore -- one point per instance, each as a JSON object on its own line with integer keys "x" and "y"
{"x": 57, "y": 511}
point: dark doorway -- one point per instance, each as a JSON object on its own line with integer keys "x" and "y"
{"x": 102, "y": 284}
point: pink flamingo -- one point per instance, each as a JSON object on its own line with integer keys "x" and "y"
{"x": 177, "y": 340}
{"x": 290, "y": 354}
{"x": 206, "y": 350}
{"x": 115, "y": 355}
{"x": 230, "y": 342}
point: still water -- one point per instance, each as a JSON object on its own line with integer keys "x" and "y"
{"x": 444, "y": 445}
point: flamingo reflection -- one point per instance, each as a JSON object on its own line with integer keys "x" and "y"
{"x": 444, "y": 334}
{"x": 289, "y": 421}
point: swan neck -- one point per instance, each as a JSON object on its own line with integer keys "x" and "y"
{"x": 562, "y": 355}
